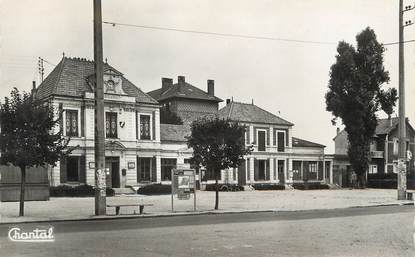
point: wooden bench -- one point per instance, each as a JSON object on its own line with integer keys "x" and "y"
{"x": 118, "y": 206}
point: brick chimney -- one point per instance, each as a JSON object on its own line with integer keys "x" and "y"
{"x": 211, "y": 87}
{"x": 166, "y": 83}
{"x": 228, "y": 101}
{"x": 181, "y": 80}
{"x": 33, "y": 88}
{"x": 337, "y": 130}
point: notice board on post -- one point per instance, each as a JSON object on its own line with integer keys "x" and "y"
{"x": 183, "y": 184}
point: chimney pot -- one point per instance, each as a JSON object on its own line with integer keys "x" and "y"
{"x": 166, "y": 83}
{"x": 338, "y": 130}
{"x": 228, "y": 101}
{"x": 181, "y": 79}
{"x": 211, "y": 87}
{"x": 34, "y": 84}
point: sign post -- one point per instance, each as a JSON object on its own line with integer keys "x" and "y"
{"x": 182, "y": 181}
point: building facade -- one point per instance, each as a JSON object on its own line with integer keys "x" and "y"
{"x": 383, "y": 152}
{"x": 140, "y": 150}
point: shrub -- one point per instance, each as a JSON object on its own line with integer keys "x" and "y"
{"x": 224, "y": 187}
{"x": 268, "y": 187}
{"x": 154, "y": 189}
{"x": 311, "y": 186}
{"x": 76, "y": 191}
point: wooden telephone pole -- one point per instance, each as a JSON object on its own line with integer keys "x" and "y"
{"x": 100, "y": 187}
{"x": 402, "y": 118}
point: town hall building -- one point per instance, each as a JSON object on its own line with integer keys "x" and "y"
{"x": 140, "y": 150}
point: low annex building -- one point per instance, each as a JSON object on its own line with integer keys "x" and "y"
{"x": 141, "y": 150}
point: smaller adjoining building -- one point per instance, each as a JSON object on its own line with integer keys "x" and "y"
{"x": 383, "y": 153}
{"x": 278, "y": 157}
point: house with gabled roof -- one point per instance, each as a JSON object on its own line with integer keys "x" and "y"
{"x": 132, "y": 127}
{"x": 186, "y": 100}
{"x": 383, "y": 153}
{"x": 278, "y": 157}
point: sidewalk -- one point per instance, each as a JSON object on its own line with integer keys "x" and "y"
{"x": 247, "y": 201}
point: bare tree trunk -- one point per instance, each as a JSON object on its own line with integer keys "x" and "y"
{"x": 22, "y": 190}
{"x": 362, "y": 181}
{"x": 217, "y": 190}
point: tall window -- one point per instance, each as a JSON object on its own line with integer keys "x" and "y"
{"x": 312, "y": 170}
{"x": 166, "y": 166}
{"x": 261, "y": 140}
{"x": 281, "y": 141}
{"x": 143, "y": 169}
{"x": 145, "y": 127}
{"x": 111, "y": 124}
{"x": 71, "y": 123}
{"x": 72, "y": 169}
{"x": 297, "y": 170}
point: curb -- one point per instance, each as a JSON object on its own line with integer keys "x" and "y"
{"x": 181, "y": 214}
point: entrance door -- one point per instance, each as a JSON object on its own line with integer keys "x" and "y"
{"x": 281, "y": 176}
{"x": 113, "y": 175}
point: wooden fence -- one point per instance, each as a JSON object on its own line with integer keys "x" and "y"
{"x": 37, "y": 184}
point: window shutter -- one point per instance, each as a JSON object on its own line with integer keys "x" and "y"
{"x": 138, "y": 169}
{"x": 287, "y": 137}
{"x": 255, "y": 135}
{"x": 63, "y": 170}
{"x": 154, "y": 125}
{"x": 82, "y": 120}
{"x": 267, "y": 170}
{"x": 274, "y": 140}
{"x": 137, "y": 124}
{"x": 275, "y": 168}
{"x": 268, "y": 136}
{"x": 153, "y": 169}
{"x": 61, "y": 118}
{"x": 82, "y": 169}
{"x": 248, "y": 136}
{"x": 256, "y": 169}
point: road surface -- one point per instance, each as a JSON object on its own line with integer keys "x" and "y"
{"x": 372, "y": 231}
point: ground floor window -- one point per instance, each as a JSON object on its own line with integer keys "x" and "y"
{"x": 144, "y": 169}
{"x": 208, "y": 174}
{"x": 167, "y": 164}
{"x": 261, "y": 170}
{"x": 297, "y": 170}
{"x": 72, "y": 169}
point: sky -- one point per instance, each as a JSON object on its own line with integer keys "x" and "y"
{"x": 288, "y": 79}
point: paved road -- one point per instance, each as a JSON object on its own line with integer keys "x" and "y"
{"x": 374, "y": 231}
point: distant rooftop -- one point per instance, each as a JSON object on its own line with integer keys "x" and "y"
{"x": 182, "y": 89}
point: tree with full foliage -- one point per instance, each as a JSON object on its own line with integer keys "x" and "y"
{"x": 217, "y": 144}
{"x": 169, "y": 117}
{"x": 355, "y": 95}
{"x": 26, "y": 135}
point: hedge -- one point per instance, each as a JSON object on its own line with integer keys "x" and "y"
{"x": 268, "y": 187}
{"x": 76, "y": 191}
{"x": 154, "y": 189}
{"x": 311, "y": 186}
{"x": 224, "y": 187}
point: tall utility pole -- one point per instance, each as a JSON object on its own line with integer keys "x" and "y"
{"x": 100, "y": 194}
{"x": 402, "y": 118}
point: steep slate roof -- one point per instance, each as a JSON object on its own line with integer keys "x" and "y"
{"x": 297, "y": 142}
{"x": 250, "y": 113}
{"x": 385, "y": 127}
{"x": 175, "y": 133}
{"x": 72, "y": 77}
{"x": 184, "y": 90}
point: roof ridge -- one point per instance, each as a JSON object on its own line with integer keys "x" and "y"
{"x": 58, "y": 78}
